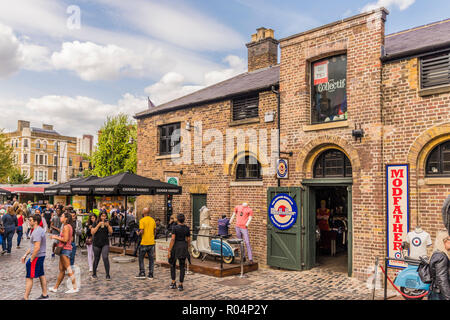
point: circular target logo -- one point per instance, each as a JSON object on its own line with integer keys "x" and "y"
{"x": 283, "y": 211}
{"x": 398, "y": 255}
{"x": 416, "y": 242}
{"x": 282, "y": 168}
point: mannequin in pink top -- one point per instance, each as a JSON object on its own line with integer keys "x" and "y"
{"x": 243, "y": 214}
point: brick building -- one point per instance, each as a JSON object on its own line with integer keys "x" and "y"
{"x": 352, "y": 101}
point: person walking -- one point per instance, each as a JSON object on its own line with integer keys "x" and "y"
{"x": 35, "y": 265}
{"x": 89, "y": 241}
{"x": 55, "y": 228}
{"x": 147, "y": 231}
{"x": 65, "y": 242}
{"x": 76, "y": 225}
{"x": 440, "y": 268}
{"x": 10, "y": 225}
{"x": 20, "y": 222}
{"x": 101, "y": 231}
{"x": 47, "y": 214}
{"x": 178, "y": 250}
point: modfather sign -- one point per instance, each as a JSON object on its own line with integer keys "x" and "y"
{"x": 397, "y": 187}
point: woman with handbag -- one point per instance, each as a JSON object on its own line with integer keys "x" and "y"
{"x": 64, "y": 250}
{"x": 101, "y": 231}
{"x": 19, "y": 230}
{"x": 89, "y": 245}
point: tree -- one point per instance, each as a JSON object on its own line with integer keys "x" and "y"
{"x": 114, "y": 153}
{"x": 6, "y": 158}
{"x": 17, "y": 177}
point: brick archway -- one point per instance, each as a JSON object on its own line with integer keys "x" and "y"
{"x": 310, "y": 151}
{"x": 424, "y": 144}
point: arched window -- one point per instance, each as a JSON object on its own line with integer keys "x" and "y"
{"x": 332, "y": 164}
{"x": 248, "y": 168}
{"x": 438, "y": 162}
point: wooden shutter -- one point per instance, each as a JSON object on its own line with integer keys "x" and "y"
{"x": 246, "y": 107}
{"x": 435, "y": 70}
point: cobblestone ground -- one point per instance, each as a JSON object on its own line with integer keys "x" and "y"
{"x": 269, "y": 284}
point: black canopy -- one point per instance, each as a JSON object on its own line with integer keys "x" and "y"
{"x": 126, "y": 184}
{"x": 79, "y": 187}
{"x": 60, "y": 189}
{"x": 4, "y": 192}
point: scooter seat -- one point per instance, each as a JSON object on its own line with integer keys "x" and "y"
{"x": 234, "y": 241}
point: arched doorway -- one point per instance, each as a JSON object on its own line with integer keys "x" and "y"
{"x": 328, "y": 198}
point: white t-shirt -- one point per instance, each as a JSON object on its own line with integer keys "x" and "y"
{"x": 418, "y": 242}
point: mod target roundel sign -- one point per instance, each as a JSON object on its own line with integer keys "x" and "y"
{"x": 283, "y": 211}
{"x": 416, "y": 242}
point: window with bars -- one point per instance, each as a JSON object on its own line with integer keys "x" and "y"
{"x": 438, "y": 162}
{"x": 248, "y": 168}
{"x": 435, "y": 70}
{"x": 332, "y": 164}
{"x": 245, "y": 107}
{"x": 167, "y": 144}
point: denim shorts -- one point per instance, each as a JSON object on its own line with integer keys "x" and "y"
{"x": 66, "y": 252}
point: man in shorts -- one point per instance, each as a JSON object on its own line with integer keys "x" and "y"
{"x": 35, "y": 265}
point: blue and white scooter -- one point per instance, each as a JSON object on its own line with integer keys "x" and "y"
{"x": 409, "y": 280}
{"x": 204, "y": 246}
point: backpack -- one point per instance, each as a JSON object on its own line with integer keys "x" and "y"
{"x": 424, "y": 271}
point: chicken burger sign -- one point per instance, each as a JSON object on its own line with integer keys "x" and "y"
{"x": 283, "y": 211}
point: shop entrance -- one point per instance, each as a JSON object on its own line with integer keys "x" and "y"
{"x": 328, "y": 224}
{"x": 332, "y": 227}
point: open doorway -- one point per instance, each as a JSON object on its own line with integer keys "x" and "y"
{"x": 332, "y": 226}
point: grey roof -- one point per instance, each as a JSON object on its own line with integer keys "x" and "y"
{"x": 40, "y": 130}
{"x": 238, "y": 85}
{"x": 417, "y": 40}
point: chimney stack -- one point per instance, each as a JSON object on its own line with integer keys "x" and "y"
{"x": 22, "y": 124}
{"x": 262, "y": 50}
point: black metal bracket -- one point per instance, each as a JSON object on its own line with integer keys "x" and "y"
{"x": 290, "y": 153}
{"x": 180, "y": 172}
{"x": 358, "y": 133}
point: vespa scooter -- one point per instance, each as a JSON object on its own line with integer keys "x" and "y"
{"x": 205, "y": 245}
{"x": 409, "y": 280}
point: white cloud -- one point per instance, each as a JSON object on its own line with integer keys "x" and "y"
{"x": 10, "y": 52}
{"x": 173, "y": 85}
{"x": 177, "y": 24}
{"x": 94, "y": 62}
{"x": 72, "y": 116}
{"x": 401, "y": 4}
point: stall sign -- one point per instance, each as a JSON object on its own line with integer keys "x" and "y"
{"x": 282, "y": 169}
{"x": 173, "y": 180}
{"x": 320, "y": 72}
{"x": 283, "y": 211}
{"x": 79, "y": 203}
{"x": 397, "y": 187}
{"x": 60, "y": 199}
{"x": 162, "y": 250}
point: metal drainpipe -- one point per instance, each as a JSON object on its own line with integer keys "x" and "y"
{"x": 278, "y": 123}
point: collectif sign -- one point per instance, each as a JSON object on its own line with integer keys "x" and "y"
{"x": 397, "y": 180}
{"x": 283, "y": 211}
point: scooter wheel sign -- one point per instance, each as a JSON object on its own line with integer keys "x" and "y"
{"x": 283, "y": 211}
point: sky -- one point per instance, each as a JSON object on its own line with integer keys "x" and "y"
{"x": 73, "y": 63}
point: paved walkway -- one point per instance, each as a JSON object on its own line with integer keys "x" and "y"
{"x": 268, "y": 284}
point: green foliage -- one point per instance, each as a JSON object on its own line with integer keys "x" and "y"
{"x": 17, "y": 177}
{"x": 114, "y": 154}
{"x": 6, "y": 158}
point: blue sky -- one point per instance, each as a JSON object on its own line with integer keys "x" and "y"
{"x": 125, "y": 51}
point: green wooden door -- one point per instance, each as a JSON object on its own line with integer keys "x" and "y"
{"x": 198, "y": 201}
{"x": 350, "y": 231}
{"x": 284, "y": 246}
{"x": 309, "y": 228}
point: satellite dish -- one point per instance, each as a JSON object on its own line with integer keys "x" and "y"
{"x": 446, "y": 213}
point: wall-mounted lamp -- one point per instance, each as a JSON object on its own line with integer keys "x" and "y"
{"x": 358, "y": 133}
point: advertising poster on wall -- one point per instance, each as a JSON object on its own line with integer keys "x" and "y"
{"x": 79, "y": 202}
{"x": 397, "y": 187}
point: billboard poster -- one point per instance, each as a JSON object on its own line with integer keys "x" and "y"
{"x": 397, "y": 188}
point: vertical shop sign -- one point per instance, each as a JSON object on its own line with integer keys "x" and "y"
{"x": 397, "y": 187}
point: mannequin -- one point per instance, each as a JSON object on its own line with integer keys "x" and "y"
{"x": 205, "y": 227}
{"x": 243, "y": 214}
{"x": 323, "y": 214}
{"x": 418, "y": 241}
